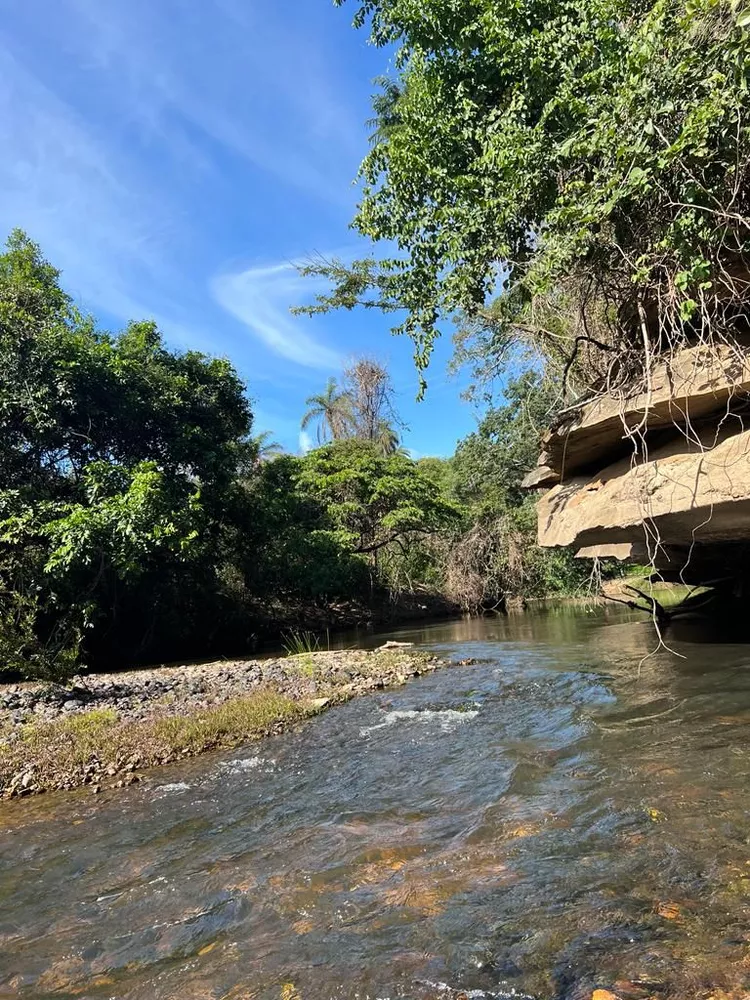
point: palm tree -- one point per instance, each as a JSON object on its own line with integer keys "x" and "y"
{"x": 386, "y": 438}
{"x": 262, "y": 449}
{"x": 332, "y": 411}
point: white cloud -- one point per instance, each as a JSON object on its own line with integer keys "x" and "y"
{"x": 260, "y": 297}
{"x": 306, "y": 442}
{"x": 116, "y": 123}
{"x": 87, "y": 207}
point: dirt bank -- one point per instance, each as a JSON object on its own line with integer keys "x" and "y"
{"x": 107, "y": 728}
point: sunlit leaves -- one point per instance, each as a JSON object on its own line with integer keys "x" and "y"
{"x": 117, "y": 463}
{"x": 603, "y": 141}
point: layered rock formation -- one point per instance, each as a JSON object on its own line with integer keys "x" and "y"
{"x": 660, "y": 473}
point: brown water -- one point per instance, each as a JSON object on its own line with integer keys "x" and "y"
{"x": 559, "y": 817}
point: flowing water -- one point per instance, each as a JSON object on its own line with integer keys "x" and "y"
{"x": 561, "y": 816}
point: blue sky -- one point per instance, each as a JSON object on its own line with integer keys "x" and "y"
{"x": 174, "y": 159}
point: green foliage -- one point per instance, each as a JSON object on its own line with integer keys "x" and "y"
{"x": 331, "y": 411}
{"x": 116, "y": 458}
{"x": 490, "y": 464}
{"x": 141, "y": 520}
{"x": 283, "y": 541}
{"x": 438, "y": 470}
{"x": 22, "y": 652}
{"x": 374, "y": 500}
{"x": 261, "y": 448}
{"x": 589, "y": 152}
{"x": 497, "y": 556}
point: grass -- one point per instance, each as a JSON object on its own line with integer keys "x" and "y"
{"x": 296, "y": 643}
{"x": 88, "y": 747}
{"x": 305, "y": 664}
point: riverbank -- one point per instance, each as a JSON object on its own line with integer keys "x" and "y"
{"x": 266, "y": 625}
{"x": 105, "y": 730}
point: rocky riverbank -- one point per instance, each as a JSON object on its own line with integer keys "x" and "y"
{"x": 104, "y": 730}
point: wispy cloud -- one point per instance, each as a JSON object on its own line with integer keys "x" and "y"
{"x": 236, "y": 73}
{"x": 261, "y": 297}
{"x": 57, "y": 180}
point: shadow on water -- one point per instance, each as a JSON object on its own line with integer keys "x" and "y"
{"x": 569, "y": 813}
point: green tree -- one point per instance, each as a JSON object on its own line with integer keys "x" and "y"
{"x": 362, "y": 409}
{"x": 490, "y": 464}
{"x": 262, "y": 448}
{"x": 117, "y": 456}
{"x": 374, "y": 500}
{"x": 331, "y": 412}
{"x": 283, "y": 542}
{"x": 586, "y": 158}
{"x": 496, "y": 555}
{"x": 386, "y": 438}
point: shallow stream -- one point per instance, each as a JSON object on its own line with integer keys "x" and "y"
{"x": 563, "y": 815}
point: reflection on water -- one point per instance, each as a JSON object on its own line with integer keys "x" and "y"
{"x": 570, "y": 813}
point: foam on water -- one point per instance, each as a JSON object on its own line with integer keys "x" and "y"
{"x": 173, "y": 788}
{"x": 504, "y": 994}
{"x": 242, "y": 764}
{"x": 446, "y": 718}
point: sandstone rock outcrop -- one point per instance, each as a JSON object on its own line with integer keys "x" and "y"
{"x": 655, "y": 471}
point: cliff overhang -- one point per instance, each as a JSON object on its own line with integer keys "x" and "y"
{"x": 659, "y": 472}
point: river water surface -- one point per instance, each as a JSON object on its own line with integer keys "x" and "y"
{"x": 560, "y": 816}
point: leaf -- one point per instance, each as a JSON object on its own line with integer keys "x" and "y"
{"x": 688, "y": 309}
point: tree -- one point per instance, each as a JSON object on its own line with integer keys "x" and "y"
{"x": 263, "y": 448}
{"x": 370, "y": 390}
{"x": 117, "y": 458}
{"x": 374, "y": 500}
{"x": 362, "y": 409}
{"x": 589, "y": 159}
{"x": 490, "y": 463}
{"x": 331, "y": 411}
{"x": 385, "y": 438}
{"x": 283, "y": 544}
{"x": 496, "y": 555}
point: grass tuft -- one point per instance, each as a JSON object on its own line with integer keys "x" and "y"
{"x": 83, "y": 748}
{"x": 295, "y": 643}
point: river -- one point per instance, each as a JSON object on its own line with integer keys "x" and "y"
{"x": 560, "y": 816}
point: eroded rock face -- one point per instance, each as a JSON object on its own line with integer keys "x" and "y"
{"x": 685, "y": 489}
{"x": 667, "y": 467}
{"x": 695, "y": 383}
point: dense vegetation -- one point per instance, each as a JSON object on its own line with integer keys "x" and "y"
{"x": 587, "y": 158}
{"x": 140, "y": 518}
